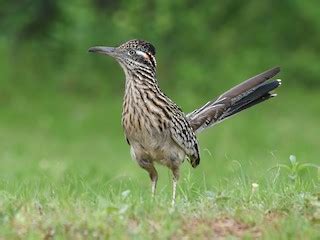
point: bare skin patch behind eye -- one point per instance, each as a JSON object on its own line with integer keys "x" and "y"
{"x": 147, "y": 56}
{"x": 143, "y": 54}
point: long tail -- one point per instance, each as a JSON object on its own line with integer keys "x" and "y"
{"x": 247, "y": 94}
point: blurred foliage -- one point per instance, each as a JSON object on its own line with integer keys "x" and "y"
{"x": 61, "y": 141}
{"x": 200, "y": 44}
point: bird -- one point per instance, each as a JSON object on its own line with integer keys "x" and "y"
{"x": 156, "y": 128}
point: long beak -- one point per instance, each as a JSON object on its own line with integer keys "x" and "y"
{"x": 103, "y": 50}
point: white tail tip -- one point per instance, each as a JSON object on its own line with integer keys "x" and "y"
{"x": 279, "y": 81}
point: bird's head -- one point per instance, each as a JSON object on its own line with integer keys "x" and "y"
{"x": 131, "y": 55}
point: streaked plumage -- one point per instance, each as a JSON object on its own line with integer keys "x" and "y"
{"x": 155, "y": 127}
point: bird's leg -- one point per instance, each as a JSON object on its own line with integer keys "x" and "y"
{"x": 154, "y": 178}
{"x": 175, "y": 172}
{"x": 174, "y": 187}
{"x": 153, "y": 174}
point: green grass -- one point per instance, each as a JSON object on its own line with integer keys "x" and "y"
{"x": 66, "y": 173}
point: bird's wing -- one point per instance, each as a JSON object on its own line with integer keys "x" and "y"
{"x": 183, "y": 135}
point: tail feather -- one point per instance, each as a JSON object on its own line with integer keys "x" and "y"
{"x": 247, "y": 94}
{"x": 261, "y": 94}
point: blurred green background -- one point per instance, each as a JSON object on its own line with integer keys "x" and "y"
{"x": 60, "y": 107}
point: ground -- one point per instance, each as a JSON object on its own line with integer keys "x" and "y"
{"x": 66, "y": 173}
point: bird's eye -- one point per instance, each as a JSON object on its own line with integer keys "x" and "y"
{"x": 131, "y": 52}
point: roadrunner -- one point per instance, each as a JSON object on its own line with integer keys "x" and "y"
{"x": 155, "y": 127}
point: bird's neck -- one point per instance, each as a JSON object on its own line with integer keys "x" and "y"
{"x": 141, "y": 78}
{"x": 141, "y": 84}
